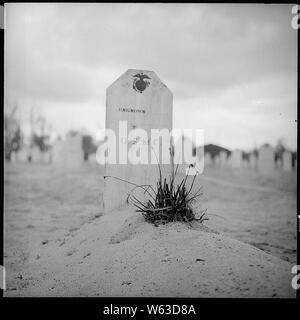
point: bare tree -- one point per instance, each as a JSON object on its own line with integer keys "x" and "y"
{"x": 279, "y": 150}
{"x": 88, "y": 146}
{"x": 40, "y": 134}
{"x": 12, "y": 132}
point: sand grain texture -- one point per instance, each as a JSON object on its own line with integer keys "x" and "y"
{"x": 59, "y": 243}
{"x": 121, "y": 255}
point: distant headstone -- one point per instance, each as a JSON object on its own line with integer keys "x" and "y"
{"x": 266, "y": 160}
{"x": 287, "y": 161}
{"x": 144, "y": 101}
{"x": 46, "y": 157}
{"x": 236, "y": 159}
{"x": 245, "y": 163}
{"x": 23, "y": 154}
{"x": 72, "y": 152}
{"x": 92, "y": 158}
{"x": 182, "y": 167}
{"x": 36, "y": 155}
{"x": 253, "y": 161}
{"x": 279, "y": 163}
{"x": 217, "y": 160}
{"x": 223, "y": 159}
{"x": 56, "y": 152}
{"x": 207, "y": 159}
{"x": 14, "y": 157}
{"x": 294, "y": 160}
{"x": 39, "y": 157}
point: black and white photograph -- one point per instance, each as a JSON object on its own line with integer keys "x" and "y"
{"x": 150, "y": 150}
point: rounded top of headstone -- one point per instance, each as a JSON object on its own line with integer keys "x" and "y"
{"x": 139, "y": 80}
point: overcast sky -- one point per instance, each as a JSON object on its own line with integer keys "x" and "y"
{"x": 232, "y": 68}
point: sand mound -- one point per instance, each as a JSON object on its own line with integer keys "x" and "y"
{"x": 119, "y": 254}
{"x": 136, "y": 225}
{"x": 131, "y": 227}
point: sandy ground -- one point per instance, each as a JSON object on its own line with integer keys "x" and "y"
{"x": 58, "y": 242}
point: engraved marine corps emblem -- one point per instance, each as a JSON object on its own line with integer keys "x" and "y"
{"x": 139, "y": 82}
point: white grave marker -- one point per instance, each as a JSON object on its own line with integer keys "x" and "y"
{"x": 207, "y": 159}
{"x": 217, "y": 160}
{"x": 36, "y": 155}
{"x": 139, "y": 98}
{"x": 236, "y": 159}
{"x": 92, "y": 158}
{"x": 56, "y": 152}
{"x": 246, "y": 163}
{"x": 287, "y": 161}
{"x": 266, "y": 160}
{"x": 73, "y": 151}
{"x": 23, "y": 155}
{"x": 223, "y": 159}
{"x": 14, "y": 157}
{"x": 47, "y": 157}
{"x": 178, "y": 154}
{"x": 253, "y": 161}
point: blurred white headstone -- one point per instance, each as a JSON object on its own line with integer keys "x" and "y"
{"x": 266, "y": 160}
{"x": 245, "y": 163}
{"x": 36, "y": 155}
{"x": 236, "y": 158}
{"x": 279, "y": 163}
{"x": 178, "y": 154}
{"x": 144, "y": 101}
{"x": 217, "y": 160}
{"x": 92, "y": 158}
{"x": 40, "y": 157}
{"x": 253, "y": 161}
{"x": 287, "y": 161}
{"x": 223, "y": 159}
{"x": 47, "y": 157}
{"x": 72, "y": 152}
{"x": 207, "y": 159}
{"x": 2, "y": 278}
{"x": 23, "y": 155}
{"x": 13, "y": 157}
{"x": 56, "y": 151}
